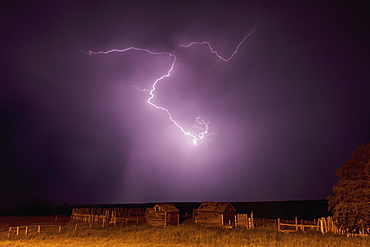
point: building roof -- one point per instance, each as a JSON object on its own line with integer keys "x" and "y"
{"x": 218, "y": 207}
{"x": 167, "y": 207}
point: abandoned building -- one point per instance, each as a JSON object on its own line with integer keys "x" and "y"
{"x": 215, "y": 214}
{"x": 162, "y": 214}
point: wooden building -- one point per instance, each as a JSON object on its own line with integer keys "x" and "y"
{"x": 215, "y": 214}
{"x": 162, "y": 214}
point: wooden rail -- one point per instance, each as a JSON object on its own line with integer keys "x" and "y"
{"x": 297, "y": 227}
{"x": 107, "y": 216}
{"x": 324, "y": 225}
{"x": 243, "y": 220}
{"x": 17, "y": 230}
{"x": 328, "y": 225}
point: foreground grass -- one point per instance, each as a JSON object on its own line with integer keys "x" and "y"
{"x": 183, "y": 235}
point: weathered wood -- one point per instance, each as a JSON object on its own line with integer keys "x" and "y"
{"x": 162, "y": 214}
{"x": 296, "y": 223}
{"x": 105, "y": 216}
{"x": 17, "y": 230}
{"x": 296, "y": 227}
{"x": 252, "y": 220}
{"x": 243, "y": 220}
{"x": 215, "y": 214}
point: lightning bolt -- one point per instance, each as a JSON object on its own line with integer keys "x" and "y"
{"x": 201, "y": 126}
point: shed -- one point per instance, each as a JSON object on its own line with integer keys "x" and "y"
{"x": 162, "y": 214}
{"x": 215, "y": 214}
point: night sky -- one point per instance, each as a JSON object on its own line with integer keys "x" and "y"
{"x": 286, "y": 111}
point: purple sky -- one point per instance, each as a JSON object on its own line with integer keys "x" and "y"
{"x": 290, "y": 107}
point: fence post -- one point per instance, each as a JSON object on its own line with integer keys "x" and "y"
{"x": 296, "y": 224}
{"x": 59, "y": 229}
{"x": 252, "y": 220}
{"x": 71, "y": 219}
{"x": 278, "y": 224}
{"x": 39, "y": 229}
{"x": 17, "y": 230}
{"x": 26, "y": 231}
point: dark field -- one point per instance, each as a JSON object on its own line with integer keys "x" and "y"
{"x": 189, "y": 235}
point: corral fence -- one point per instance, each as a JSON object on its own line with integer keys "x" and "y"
{"x": 26, "y": 230}
{"x": 108, "y": 216}
{"x": 324, "y": 225}
{"x": 258, "y": 222}
{"x": 287, "y": 226}
{"x": 242, "y": 220}
{"x": 328, "y": 225}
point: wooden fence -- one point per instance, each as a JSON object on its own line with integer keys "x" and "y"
{"x": 328, "y": 225}
{"x": 287, "y": 227}
{"x": 324, "y": 225}
{"x": 108, "y": 216}
{"x": 264, "y": 222}
{"x": 243, "y": 220}
{"x": 17, "y": 230}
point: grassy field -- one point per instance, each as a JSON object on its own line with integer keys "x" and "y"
{"x": 183, "y": 235}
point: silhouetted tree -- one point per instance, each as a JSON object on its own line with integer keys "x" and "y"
{"x": 350, "y": 203}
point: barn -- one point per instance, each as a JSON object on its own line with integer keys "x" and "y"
{"x": 162, "y": 214}
{"x": 215, "y": 214}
